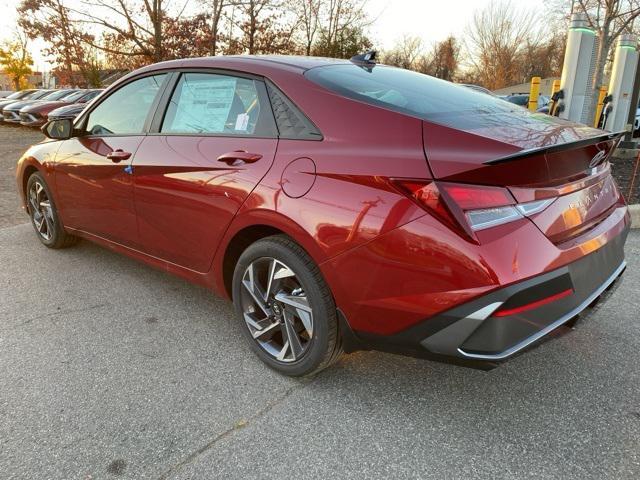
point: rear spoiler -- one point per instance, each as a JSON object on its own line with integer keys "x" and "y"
{"x": 557, "y": 147}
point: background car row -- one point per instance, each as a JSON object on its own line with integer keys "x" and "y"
{"x": 34, "y": 107}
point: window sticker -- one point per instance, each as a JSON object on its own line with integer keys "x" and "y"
{"x": 242, "y": 122}
{"x": 204, "y": 105}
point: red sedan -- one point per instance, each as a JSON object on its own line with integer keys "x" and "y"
{"x": 341, "y": 205}
{"x": 36, "y": 115}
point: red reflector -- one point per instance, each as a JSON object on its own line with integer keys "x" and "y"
{"x": 471, "y": 197}
{"x": 532, "y": 305}
{"x": 426, "y": 194}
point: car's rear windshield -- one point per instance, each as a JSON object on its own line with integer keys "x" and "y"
{"x": 38, "y": 94}
{"x": 75, "y": 96}
{"x": 57, "y": 94}
{"x": 413, "y": 93}
{"x": 19, "y": 94}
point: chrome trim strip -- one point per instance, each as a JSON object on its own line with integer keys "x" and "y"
{"x": 538, "y": 206}
{"x": 514, "y": 214}
{"x": 447, "y": 340}
{"x": 565, "y": 318}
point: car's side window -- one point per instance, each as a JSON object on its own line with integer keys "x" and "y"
{"x": 207, "y": 103}
{"x": 124, "y": 112}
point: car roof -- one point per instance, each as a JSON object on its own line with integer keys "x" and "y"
{"x": 247, "y": 63}
{"x": 299, "y": 61}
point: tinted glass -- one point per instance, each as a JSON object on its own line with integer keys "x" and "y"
{"x": 58, "y": 95}
{"x": 38, "y": 94}
{"x": 75, "y": 96}
{"x": 53, "y": 95}
{"x": 125, "y": 110}
{"x": 19, "y": 94}
{"x": 410, "y": 92}
{"x": 91, "y": 95}
{"x": 522, "y": 100}
{"x": 219, "y": 104}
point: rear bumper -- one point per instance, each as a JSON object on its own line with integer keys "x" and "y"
{"x": 470, "y": 332}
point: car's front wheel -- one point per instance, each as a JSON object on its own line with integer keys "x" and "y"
{"x": 44, "y": 216}
{"x": 286, "y": 309}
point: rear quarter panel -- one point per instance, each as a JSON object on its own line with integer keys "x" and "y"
{"x": 350, "y": 201}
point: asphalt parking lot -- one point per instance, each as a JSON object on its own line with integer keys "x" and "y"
{"x": 111, "y": 369}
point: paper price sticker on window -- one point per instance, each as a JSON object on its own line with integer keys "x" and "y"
{"x": 242, "y": 122}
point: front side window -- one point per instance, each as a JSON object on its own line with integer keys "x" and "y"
{"x": 217, "y": 104}
{"x": 124, "y": 112}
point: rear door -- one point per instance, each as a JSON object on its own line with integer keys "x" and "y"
{"x": 93, "y": 170}
{"x": 214, "y": 141}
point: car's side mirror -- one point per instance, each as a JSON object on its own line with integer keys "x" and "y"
{"x": 60, "y": 129}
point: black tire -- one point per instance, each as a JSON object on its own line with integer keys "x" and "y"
{"x": 324, "y": 345}
{"x": 48, "y": 227}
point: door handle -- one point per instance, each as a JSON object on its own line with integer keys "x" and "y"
{"x": 118, "y": 155}
{"x": 230, "y": 158}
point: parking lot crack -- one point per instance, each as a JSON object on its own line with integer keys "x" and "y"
{"x": 57, "y": 313}
{"x": 231, "y": 430}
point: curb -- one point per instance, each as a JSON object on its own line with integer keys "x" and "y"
{"x": 634, "y": 210}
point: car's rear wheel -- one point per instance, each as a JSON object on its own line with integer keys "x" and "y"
{"x": 44, "y": 216}
{"x": 287, "y": 311}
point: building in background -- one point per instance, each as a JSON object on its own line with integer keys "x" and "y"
{"x": 34, "y": 80}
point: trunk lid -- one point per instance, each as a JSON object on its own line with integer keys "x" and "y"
{"x": 536, "y": 157}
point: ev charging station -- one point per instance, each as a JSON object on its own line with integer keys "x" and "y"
{"x": 622, "y": 82}
{"x": 577, "y": 71}
{"x": 576, "y": 95}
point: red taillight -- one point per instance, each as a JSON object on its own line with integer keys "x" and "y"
{"x": 473, "y": 197}
{"x": 470, "y": 207}
{"x": 427, "y": 195}
{"x": 532, "y": 305}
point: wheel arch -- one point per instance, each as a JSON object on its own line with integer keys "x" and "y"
{"x": 248, "y": 229}
{"x": 28, "y": 171}
{"x": 29, "y": 167}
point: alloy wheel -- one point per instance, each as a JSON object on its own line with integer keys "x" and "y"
{"x": 41, "y": 211}
{"x": 276, "y": 309}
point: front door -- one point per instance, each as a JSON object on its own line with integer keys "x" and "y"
{"x": 93, "y": 170}
{"x": 216, "y": 142}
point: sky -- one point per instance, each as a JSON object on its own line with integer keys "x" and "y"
{"x": 431, "y": 20}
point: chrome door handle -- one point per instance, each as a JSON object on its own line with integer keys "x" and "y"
{"x": 230, "y": 158}
{"x": 118, "y": 155}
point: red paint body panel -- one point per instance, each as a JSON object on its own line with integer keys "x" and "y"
{"x": 95, "y": 195}
{"x": 389, "y": 262}
{"x": 186, "y": 199}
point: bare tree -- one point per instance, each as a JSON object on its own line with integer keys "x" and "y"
{"x": 441, "y": 61}
{"x": 51, "y": 20}
{"x": 444, "y": 59}
{"x": 496, "y": 39}
{"x": 217, "y": 8}
{"x": 308, "y": 14}
{"x": 342, "y": 31}
{"x": 264, "y": 28}
{"x": 135, "y": 28}
{"x": 405, "y": 53}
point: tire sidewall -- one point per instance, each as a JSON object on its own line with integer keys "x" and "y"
{"x": 324, "y": 316}
{"x": 57, "y": 230}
